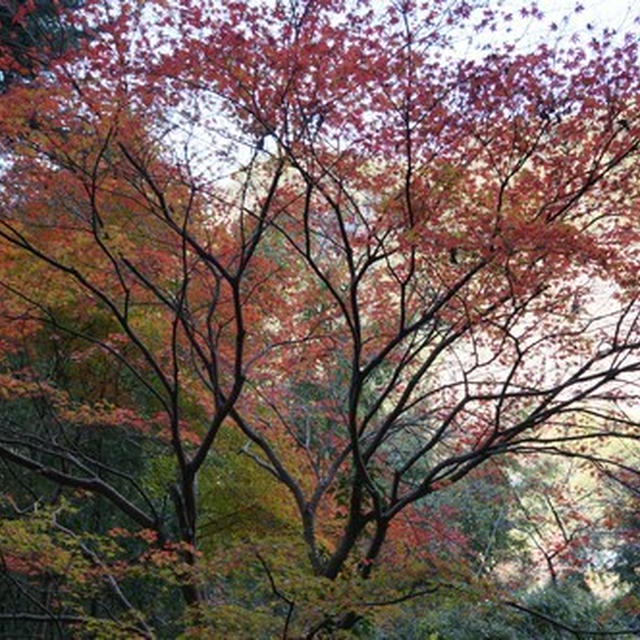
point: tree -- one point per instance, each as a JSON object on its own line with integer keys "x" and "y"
{"x": 316, "y": 228}
{"x": 31, "y": 33}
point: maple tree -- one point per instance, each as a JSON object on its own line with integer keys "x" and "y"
{"x": 314, "y": 235}
{"x": 32, "y": 33}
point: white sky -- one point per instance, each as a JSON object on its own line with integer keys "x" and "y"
{"x": 617, "y": 14}
{"x": 620, "y": 15}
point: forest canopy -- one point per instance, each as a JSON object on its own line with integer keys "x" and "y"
{"x": 314, "y": 325}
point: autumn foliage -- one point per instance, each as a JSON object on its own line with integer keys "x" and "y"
{"x": 283, "y": 285}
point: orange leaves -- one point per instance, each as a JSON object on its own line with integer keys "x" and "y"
{"x": 15, "y": 385}
{"x": 26, "y": 385}
{"x": 320, "y": 266}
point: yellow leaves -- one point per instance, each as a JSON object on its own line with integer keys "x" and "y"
{"x": 39, "y": 547}
{"x": 16, "y": 387}
{"x": 32, "y": 545}
{"x": 32, "y": 549}
{"x": 100, "y": 413}
{"x": 239, "y": 500}
{"x": 231, "y": 621}
{"x": 21, "y": 385}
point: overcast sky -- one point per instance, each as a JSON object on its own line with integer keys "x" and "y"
{"x": 595, "y": 16}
